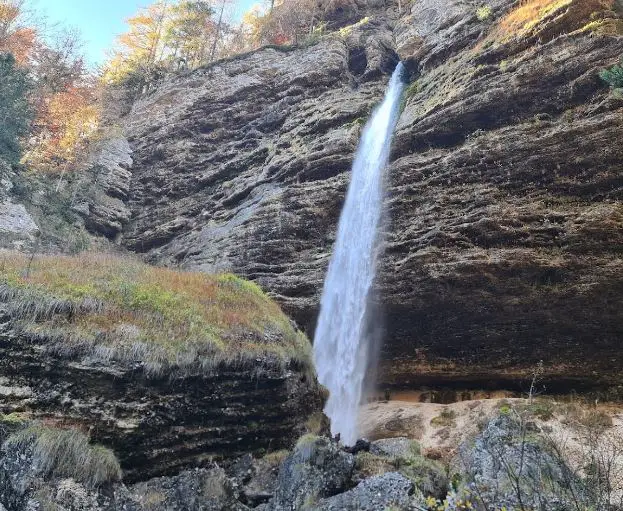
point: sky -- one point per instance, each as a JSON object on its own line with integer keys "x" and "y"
{"x": 100, "y": 21}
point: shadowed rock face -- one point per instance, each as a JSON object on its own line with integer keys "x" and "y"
{"x": 159, "y": 425}
{"x": 504, "y": 239}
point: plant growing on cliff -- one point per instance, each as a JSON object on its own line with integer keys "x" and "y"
{"x": 613, "y": 76}
{"x": 483, "y": 13}
{"x": 67, "y": 453}
{"x": 15, "y": 112}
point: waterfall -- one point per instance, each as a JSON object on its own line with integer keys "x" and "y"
{"x": 341, "y": 346}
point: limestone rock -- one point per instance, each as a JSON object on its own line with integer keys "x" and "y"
{"x": 158, "y": 425}
{"x": 504, "y": 200}
{"x": 504, "y": 467}
{"x": 399, "y": 447}
{"x": 104, "y": 187}
{"x": 17, "y": 228}
{"x": 316, "y": 468}
{"x": 387, "y": 491}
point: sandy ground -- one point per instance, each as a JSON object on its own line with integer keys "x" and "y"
{"x": 579, "y": 430}
{"x": 436, "y": 427}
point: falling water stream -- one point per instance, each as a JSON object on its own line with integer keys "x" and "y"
{"x": 341, "y": 345}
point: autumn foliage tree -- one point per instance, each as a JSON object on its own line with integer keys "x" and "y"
{"x": 189, "y": 33}
{"x": 165, "y": 36}
{"x": 287, "y": 22}
{"x": 15, "y": 37}
{"x": 44, "y": 79}
{"x": 65, "y": 103}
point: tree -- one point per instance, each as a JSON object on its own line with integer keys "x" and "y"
{"x": 189, "y": 30}
{"x": 58, "y": 64}
{"x": 141, "y": 47}
{"x": 287, "y": 22}
{"x": 15, "y": 37}
{"x": 15, "y": 112}
{"x": 218, "y": 34}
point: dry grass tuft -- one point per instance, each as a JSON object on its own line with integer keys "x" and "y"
{"x": 67, "y": 453}
{"x": 116, "y": 308}
{"x": 275, "y": 459}
{"x": 530, "y": 14}
{"x": 369, "y": 465}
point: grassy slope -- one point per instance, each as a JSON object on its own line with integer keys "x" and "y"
{"x": 120, "y": 309}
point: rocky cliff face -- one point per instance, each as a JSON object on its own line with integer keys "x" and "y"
{"x": 503, "y": 242}
{"x": 222, "y": 388}
{"x": 157, "y": 426}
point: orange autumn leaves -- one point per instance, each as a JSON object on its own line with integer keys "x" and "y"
{"x": 62, "y": 97}
{"x": 65, "y": 122}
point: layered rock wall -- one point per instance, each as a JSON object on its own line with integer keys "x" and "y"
{"x": 156, "y": 425}
{"x": 503, "y": 242}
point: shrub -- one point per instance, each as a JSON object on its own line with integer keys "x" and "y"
{"x": 67, "y": 453}
{"x": 445, "y": 418}
{"x": 427, "y": 475}
{"x": 15, "y": 111}
{"x": 412, "y": 89}
{"x": 484, "y": 13}
{"x": 542, "y": 409}
{"x": 613, "y": 76}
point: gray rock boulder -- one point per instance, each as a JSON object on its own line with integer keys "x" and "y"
{"x": 192, "y": 490}
{"x": 509, "y": 466}
{"x": 316, "y": 469}
{"x": 400, "y": 447}
{"x": 15, "y": 220}
{"x": 387, "y": 491}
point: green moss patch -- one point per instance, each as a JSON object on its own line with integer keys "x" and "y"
{"x": 116, "y": 308}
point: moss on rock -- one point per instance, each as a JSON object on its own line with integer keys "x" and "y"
{"x": 116, "y": 308}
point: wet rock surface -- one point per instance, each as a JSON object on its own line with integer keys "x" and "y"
{"x": 504, "y": 201}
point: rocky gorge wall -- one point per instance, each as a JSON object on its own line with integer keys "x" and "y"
{"x": 503, "y": 240}
{"x": 156, "y": 426}
{"x": 167, "y": 379}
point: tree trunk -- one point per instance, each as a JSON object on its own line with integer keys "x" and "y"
{"x": 218, "y": 31}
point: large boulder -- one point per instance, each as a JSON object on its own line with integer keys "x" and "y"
{"x": 387, "y": 491}
{"x": 169, "y": 369}
{"x": 317, "y": 468}
{"x": 510, "y": 466}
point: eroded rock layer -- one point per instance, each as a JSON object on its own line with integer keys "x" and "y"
{"x": 156, "y": 425}
{"x": 504, "y": 234}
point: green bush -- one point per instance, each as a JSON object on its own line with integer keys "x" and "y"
{"x": 427, "y": 475}
{"x": 613, "y": 76}
{"x": 15, "y": 111}
{"x": 483, "y": 13}
{"x": 67, "y": 453}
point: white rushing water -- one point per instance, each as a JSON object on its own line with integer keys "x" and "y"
{"x": 341, "y": 346}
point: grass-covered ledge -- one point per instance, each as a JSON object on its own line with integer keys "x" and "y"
{"x": 113, "y": 308}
